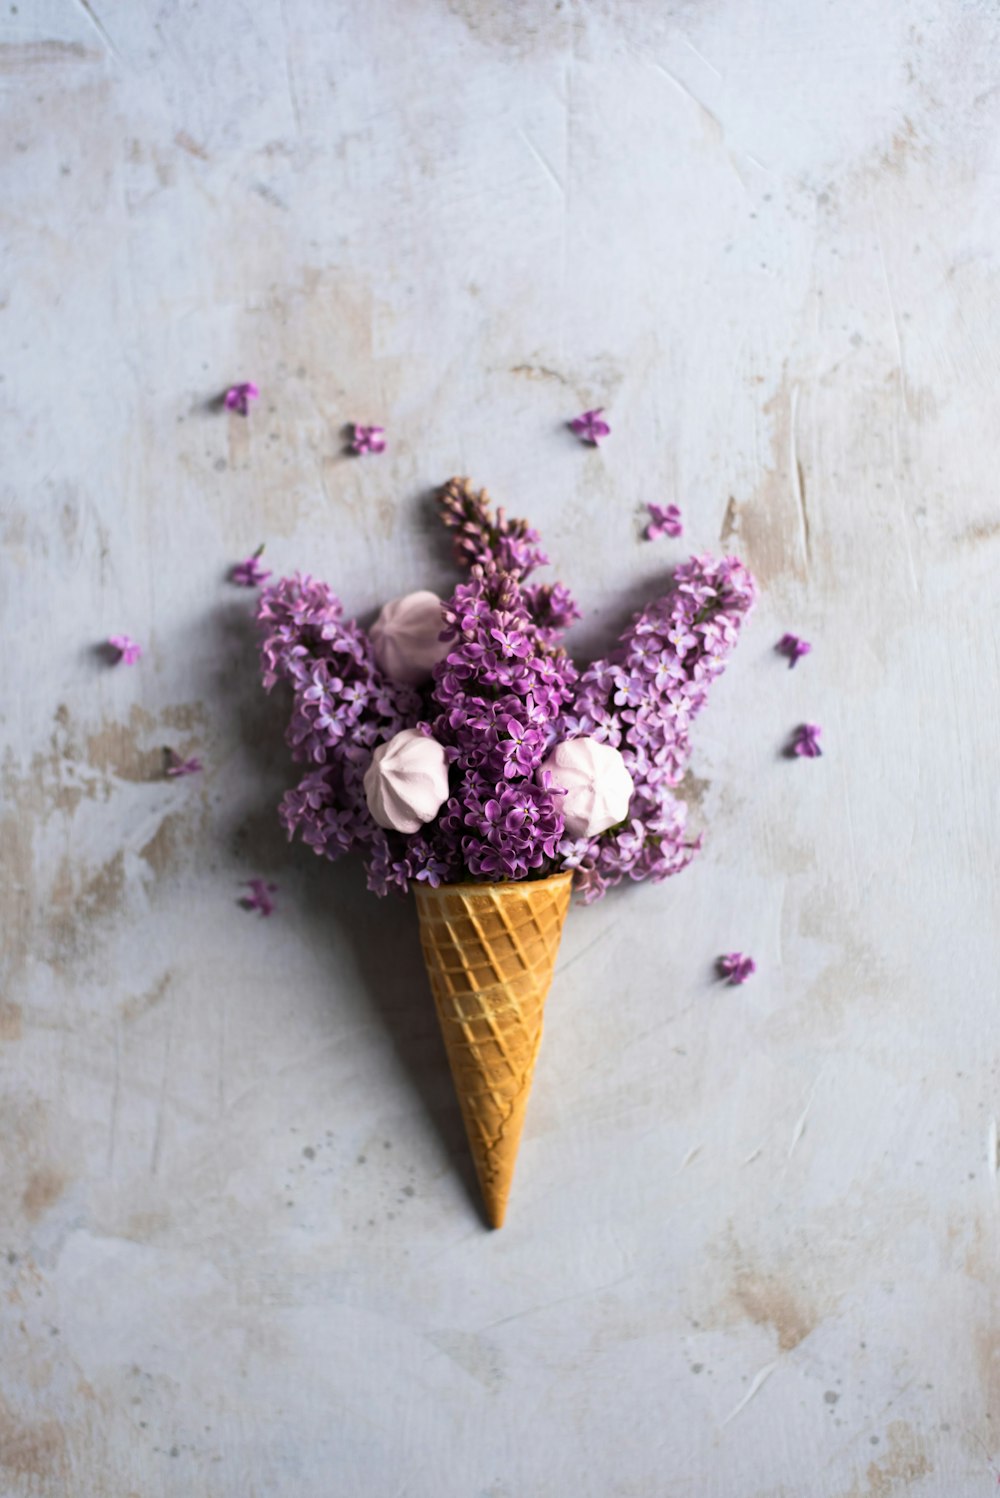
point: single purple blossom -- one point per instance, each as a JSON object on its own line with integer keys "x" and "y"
{"x": 436, "y": 871}
{"x": 736, "y": 968}
{"x": 128, "y": 650}
{"x": 793, "y": 647}
{"x": 249, "y": 573}
{"x": 238, "y": 397}
{"x": 591, "y": 426}
{"x": 523, "y": 748}
{"x": 368, "y": 439}
{"x": 177, "y": 766}
{"x": 259, "y": 897}
{"x": 666, "y": 521}
{"x": 805, "y": 742}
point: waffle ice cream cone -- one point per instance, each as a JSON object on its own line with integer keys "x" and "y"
{"x": 490, "y": 951}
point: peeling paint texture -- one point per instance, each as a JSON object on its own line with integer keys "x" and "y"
{"x": 753, "y": 1245}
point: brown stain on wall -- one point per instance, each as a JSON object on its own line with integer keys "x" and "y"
{"x": 730, "y": 523}
{"x": 771, "y": 520}
{"x": 11, "y": 1020}
{"x": 190, "y": 145}
{"x": 186, "y": 716}
{"x": 32, "y": 1452}
{"x": 115, "y": 749}
{"x": 25, "y": 57}
{"x": 324, "y": 321}
{"x": 768, "y": 1301}
{"x": 51, "y": 915}
{"x": 101, "y": 893}
{"x": 49, "y": 782}
{"x": 16, "y": 884}
{"x": 141, "y": 1004}
{"x": 857, "y": 972}
{"x": 980, "y": 531}
{"x": 74, "y": 767}
{"x": 42, "y": 1189}
{"x": 692, "y": 791}
{"x": 538, "y": 372}
{"x": 905, "y": 146}
{"x": 987, "y": 1354}
{"x": 163, "y": 849}
{"x": 498, "y": 23}
{"x": 904, "y": 1463}
{"x": 75, "y": 904}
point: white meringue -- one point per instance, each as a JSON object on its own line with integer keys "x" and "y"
{"x": 406, "y": 637}
{"x": 406, "y": 783}
{"x": 598, "y": 786}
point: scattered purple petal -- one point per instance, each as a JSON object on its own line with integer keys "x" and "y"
{"x": 591, "y": 426}
{"x": 793, "y": 647}
{"x": 368, "y": 439}
{"x": 736, "y": 968}
{"x": 259, "y": 897}
{"x": 238, "y": 397}
{"x": 250, "y": 574}
{"x": 177, "y": 766}
{"x": 805, "y": 742}
{"x": 666, "y": 521}
{"x": 128, "y": 650}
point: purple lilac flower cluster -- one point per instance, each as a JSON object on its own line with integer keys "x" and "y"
{"x": 499, "y": 695}
{"x": 504, "y": 695}
{"x": 642, "y": 700}
{"x": 487, "y": 539}
{"x": 342, "y": 708}
{"x": 494, "y": 704}
{"x": 509, "y": 546}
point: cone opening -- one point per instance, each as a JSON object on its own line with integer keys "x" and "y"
{"x": 500, "y": 887}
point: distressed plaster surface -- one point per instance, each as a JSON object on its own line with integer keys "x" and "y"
{"x": 752, "y": 1250}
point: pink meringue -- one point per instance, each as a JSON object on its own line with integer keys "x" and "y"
{"x": 406, "y": 783}
{"x": 406, "y": 637}
{"x": 597, "y": 784}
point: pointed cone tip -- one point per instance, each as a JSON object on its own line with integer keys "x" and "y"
{"x": 496, "y": 1209}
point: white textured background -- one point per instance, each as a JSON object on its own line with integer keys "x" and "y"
{"x": 752, "y": 1249}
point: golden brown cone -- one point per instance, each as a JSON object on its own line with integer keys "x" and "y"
{"x": 490, "y": 950}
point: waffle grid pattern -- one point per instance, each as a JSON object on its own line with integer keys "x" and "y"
{"x": 490, "y": 951}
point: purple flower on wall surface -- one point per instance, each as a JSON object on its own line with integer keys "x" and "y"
{"x": 238, "y": 397}
{"x": 805, "y": 741}
{"x": 591, "y": 426}
{"x": 666, "y": 521}
{"x": 259, "y": 898}
{"x": 736, "y": 967}
{"x": 128, "y": 650}
{"x": 793, "y": 647}
{"x": 177, "y": 766}
{"x": 368, "y": 439}
{"x": 250, "y": 573}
